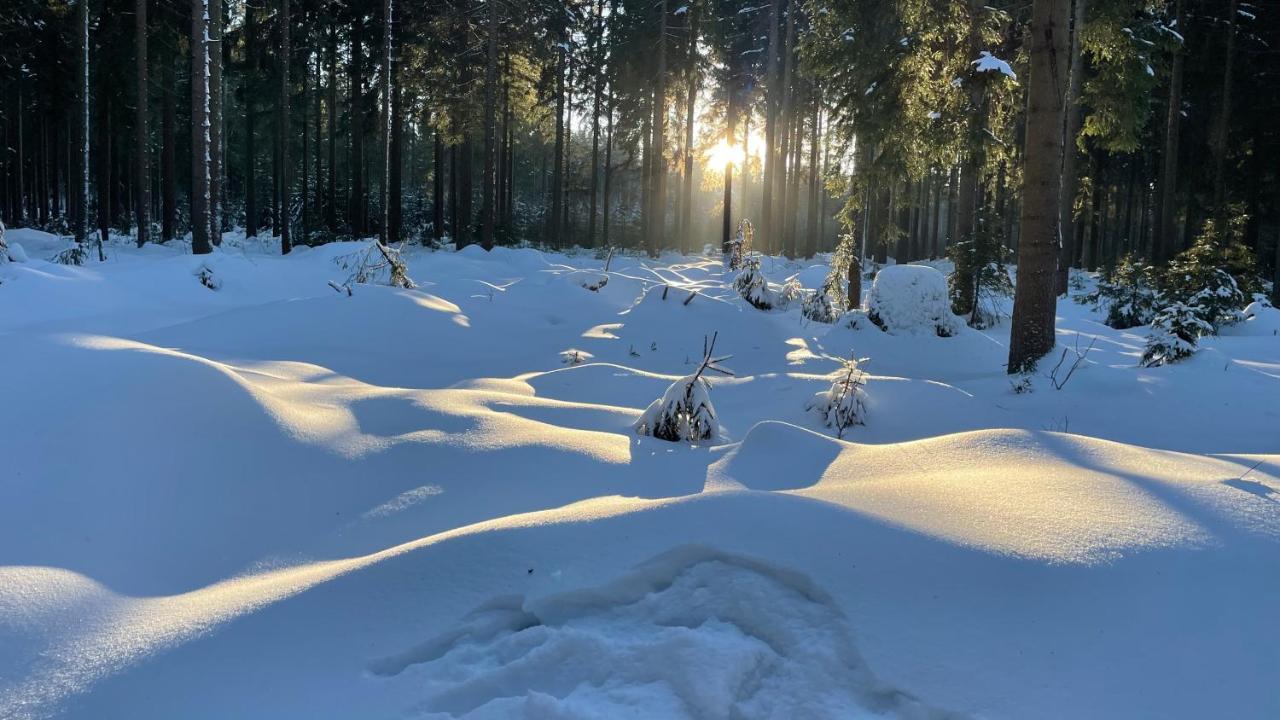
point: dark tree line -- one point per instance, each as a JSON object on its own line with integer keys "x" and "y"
{"x": 912, "y": 128}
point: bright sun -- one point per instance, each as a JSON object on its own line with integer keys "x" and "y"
{"x": 723, "y": 154}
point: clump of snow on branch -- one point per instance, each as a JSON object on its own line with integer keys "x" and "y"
{"x": 376, "y": 264}
{"x": 843, "y": 405}
{"x": 987, "y": 62}
{"x": 684, "y": 413}
{"x": 911, "y": 299}
{"x": 1175, "y": 334}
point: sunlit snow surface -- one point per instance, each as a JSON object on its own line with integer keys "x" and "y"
{"x": 272, "y": 500}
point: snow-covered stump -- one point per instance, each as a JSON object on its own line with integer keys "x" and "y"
{"x": 911, "y": 299}
{"x": 684, "y": 413}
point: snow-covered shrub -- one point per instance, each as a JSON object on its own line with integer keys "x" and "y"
{"x": 740, "y": 245}
{"x": 684, "y": 413}
{"x": 843, "y": 405}
{"x": 752, "y": 285}
{"x": 74, "y": 255}
{"x": 1128, "y": 293}
{"x": 1218, "y": 272}
{"x": 911, "y": 299}
{"x": 207, "y": 277}
{"x": 820, "y": 307}
{"x": 1175, "y": 332}
{"x": 376, "y": 264}
{"x": 790, "y": 292}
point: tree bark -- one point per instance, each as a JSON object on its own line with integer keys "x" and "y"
{"x": 552, "y": 229}
{"x": 250, "y": 171}
{"x": 387, "y": 25}
{"x": 1070, "y": 153}
{"x": 1032, "y": 333}
{"x": 1222, "y": 131}
{"x": 215, "y": 120}
{"x": 437, "y": 189}
{"x": 331, "y": 201}
{"x": 199, "y": 128}
{"x": 142, "y": 154}
{"x": 286, "y": 245}
{"x": 487, "y": 213}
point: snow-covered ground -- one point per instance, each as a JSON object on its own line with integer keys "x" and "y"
{"x": 272, "y": 500}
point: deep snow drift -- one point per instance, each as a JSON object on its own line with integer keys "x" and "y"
{"x": 276, "y": 500}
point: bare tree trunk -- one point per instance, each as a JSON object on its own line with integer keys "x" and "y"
{"x": 1032, "y": 333}
{"x": 691, "y": 98}
{"x": 200, "y": 128}
{"x": 1070, "y": 153}
{"x": 437, "y": 189}
{"x": 597, "y": 93}
{"x": 387, "y": 25}
{"x": 331, "y": 202}
{"x": 552, "y": 229}
{"x": 608, "y": 174}
{"x": 731, "y": 124}
{"x": 215, "y": 120}
{"x": 773, "y": 89}
{"x": 142, "y": 154}
{"x": 487, "y": 213}
{"x": 82, "y": 227}
{"x": 1222, "y": 131}
{"x": 355, "y": 169}
{"x": 286, "y": 194}
{"x": 250, "y": 162}
{"x": 658, "y": 165}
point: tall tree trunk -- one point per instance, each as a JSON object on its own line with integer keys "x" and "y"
{"x": 355, "y": 170}
{"x": 286, "y": 194}
{"x": 811, "y": 225}
{"x": 387, "y": 25}
{"x": 773, "y": 89}
{"x": 608, "y": 174}
{"x": 82, "y": 227}
{"x": 487, "y": 212}
{"x": 215, "y": 121}
{"x": 437, "y": 189}
{"x": 658, "y": 167}
{"x": 1032, "y": 333}
{"x": 557, "y": 173}
{"x": 142, "y": 154}
{"x": 691, "y": 99}
{"x": 331, "y": 200}
{"x": 597, "y": 92}
{"x": 731, "y": 124}
{"x": 200, "y": 128}
{"x": 169, "y": 154}
{"x": 1070, "y": 153}
{"x": 781, "y": 212}
{"x": 251, "y": 69}
{"x": 395, "y": 195}
{"x": 1222, "y": 131}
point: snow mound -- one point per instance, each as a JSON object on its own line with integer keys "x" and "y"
{"x": 911, "y": 299}
{"x": 1259, "y": 320}
{"x": 693, "y": 633}
{"x": 774, "y": 456}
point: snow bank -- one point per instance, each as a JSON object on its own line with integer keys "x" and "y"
{"x": 911, "y": 299}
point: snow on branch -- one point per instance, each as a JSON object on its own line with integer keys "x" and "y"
{"x": 987, "y": 62}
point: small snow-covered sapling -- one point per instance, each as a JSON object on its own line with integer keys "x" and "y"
{"x": 684, "y": 412}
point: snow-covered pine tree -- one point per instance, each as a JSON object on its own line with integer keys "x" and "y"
{"x": 843, "y": 405}
{"x": 684, "y": 413}
{"x": 752, "y": 285}
{"x": 1175, "y": 334}
{"x": 820, "y": 305}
